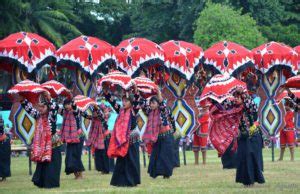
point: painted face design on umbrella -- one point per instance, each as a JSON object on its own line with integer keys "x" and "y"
{"x": 128, "y": 50}
{"x": 226, "y": 52}
{"x": 28, "y": 41}
{"x": 182, "y": 51}
{"x": 89, "y": 47}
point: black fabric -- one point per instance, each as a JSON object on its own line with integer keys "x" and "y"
{"x": 229, "y": 158}
{"x": 249, "y": 163}
{"x": 73, "y": 162}
{"x": 47, "y": 174}
{"x": 176, "y": 152}
{"x": 102, "y": 162}
{"x": 127, "y": 171}
{"x": 5, "y": 152}
{"x": 162, "y": 157}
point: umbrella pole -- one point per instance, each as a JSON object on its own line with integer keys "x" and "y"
{"x": 29, "y": 161}
{"x": 184, "y": 156}
{"x": 144, "y": 157}
{"x": 272, "y": 150}
{"x": 90, "y": 165}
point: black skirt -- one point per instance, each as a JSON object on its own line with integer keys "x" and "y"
{"x": 73, "y": 162}
{"x": 127, "y": 172}
{"x": 47, "y": 174}
{"x": 176, "y": 152}
{"x": 229, "y": 158}
{"x": 5, "y": 152}
{"x": 249, "y": 166}
{"x": 162, "y": 157}
{"x": 102, "y": 162}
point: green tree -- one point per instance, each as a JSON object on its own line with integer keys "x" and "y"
{"x": 51, "y": 19}
{"x": 219, "y": 22}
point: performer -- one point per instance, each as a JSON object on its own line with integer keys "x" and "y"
{"x": 5, "y": 152}
{"x": 46, "y": 151}
{"x": 201, "y": 134}
{"x": 287, "y": 134}
{"x": 124, "y": 142}
{"x": 72, "y": 135}
{"x": 159, "y": 133}
{"x": 249, "y": 159}
{"x": 98, "y": 137}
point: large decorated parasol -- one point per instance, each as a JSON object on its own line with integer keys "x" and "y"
{"x": 28, "y": 89}
{"x": 56, "y": 89}
{"x": 274, "y": 55}
{"x": 136, "y": 53}
{"x": 182, "y": 57}
{"x": 146, "y": 86}
{"x": 83, "y": 102}
{"x": 27, "y": 50}
{"x": 87, "y": 53}
{"x": 115, "y": 78}
{"x": 228, "y": 57}
{"x": 221, "y": 87}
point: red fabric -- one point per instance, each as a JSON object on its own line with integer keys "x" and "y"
{"x": 235, "y": 55}
{"x": 221, "y": 87}
{"x": 115, "y": 78}
{"x": 2, "y": 137}
{"x": 273, "y": 54}
{"x": 69, "y": 132}
{"x": 199, "y": 142}
{"x": 224, "y": 128}
{"x": 17, "y": 46}
{"x": 119, "y": 141}
{"x": 182, "y": 56}
{"x": 287, "y": 137}
{"x": 96, "y": 135}
{"x": 89, "y": 53}
{"x": 284, "y": 94}
{"x": 149, "y": 148}
{"x": 153, "y": 127}
{"x": 146, "y": 86}
{"x": 293, "y": 82}
{"x": 56, "y": 89}
{"x": 42, "y": 144}
{"x": 84, "y": 102}
{"x": 289, "y": 120}
{"x": 200, "y": 138}
{"x": 135, "y": 53}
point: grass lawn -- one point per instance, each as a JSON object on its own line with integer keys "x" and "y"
{"x": 281, "y": 177}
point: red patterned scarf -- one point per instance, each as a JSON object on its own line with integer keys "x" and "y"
{"x": 153, "y": 127}
{"x": 119, "y": 141}
{"x": 224, "y": 128}
{"x": 69, "y": 132}
{"x": 96, "y": 135}
{"x": 42, "y": 144}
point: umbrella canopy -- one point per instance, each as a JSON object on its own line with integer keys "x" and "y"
{"x": 28, "y": 89}
{"x": 221, "y": 87}
{"x": 284, "y": 94}
{"x": 87, "y": 53}
{"x": 27, "y": 50}
{"x": 182, "y": 57}
{"x": 116, "y": 78}
{"x": 83, "y": 102}
{"x": 56, "y": 89}
{"x": 275, "y": 55}
{"x": 146, "y": 86}
{"x": 293, "y": 82}
{"x": 228, "y": 57}
{"x": 135, "y": 53}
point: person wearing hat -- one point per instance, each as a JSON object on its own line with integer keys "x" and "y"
{"x": 124, "y": 141}
{"x": 201, "y": 134}
{"x": 46, "y": 144}
{"x": 5, "y": 152}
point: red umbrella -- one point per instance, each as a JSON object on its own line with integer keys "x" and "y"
{"x": 28, "y": 89}
{"x": 83, "y": 102}
{"x": 182, "y": 57}
{"x": 228, "y": 57}
{"x": 293, "y": 82}
{"x": 284, "y": 94}
{"x": 221, "y": 87}
{"x": 297, "y": 49}
{"x": 116, "y": 78}
{"x": 56, "y": 89}
{"x": 146, "y": 86}
{"x": 275, "y": 55}
{"x": 28, "y": 50}
{"x": 135, "y": 53}
{"x": 87, "y": 53}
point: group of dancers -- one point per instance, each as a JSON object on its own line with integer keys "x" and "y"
{"x": 123, "y": 143}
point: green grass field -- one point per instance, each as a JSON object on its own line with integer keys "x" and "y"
{"x": 281, "y": 177}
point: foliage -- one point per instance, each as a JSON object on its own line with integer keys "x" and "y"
{"x": 219, "y": 22}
